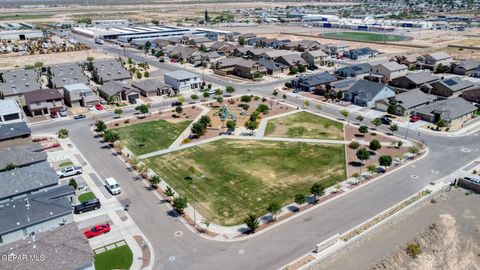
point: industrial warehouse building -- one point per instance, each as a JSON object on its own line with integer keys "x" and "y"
{"x": 20, "y": 35}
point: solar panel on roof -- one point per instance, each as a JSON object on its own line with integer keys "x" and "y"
{"x": 450, "y": 82}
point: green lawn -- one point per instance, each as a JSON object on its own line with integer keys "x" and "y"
{"x": 86, "y": 196}
{"x": 118, "y": 258}
{"x": 363, "y": 36}
{"x": 151, "y": 136}
{"x": 227, "y": 179}
{"x": 304, "y": 125}
{"x": 65, "y": 164}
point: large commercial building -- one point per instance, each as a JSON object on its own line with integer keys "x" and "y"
{"x": 20, "y": 35}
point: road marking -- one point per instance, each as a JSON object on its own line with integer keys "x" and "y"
{"x": 171, "y": 258}
{"x": 414, "y": 176}
{"x": 178, "y": 233}
{"x": 241, "y": 251}
{"x": 435, "y": 171}
{"x": 465, "y": 150}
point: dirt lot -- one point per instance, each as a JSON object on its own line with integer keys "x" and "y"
{"x": 16, "y": 61}
{"x": 447, "y": 232}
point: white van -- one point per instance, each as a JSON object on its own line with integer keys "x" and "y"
{"x": 113, "y": 186}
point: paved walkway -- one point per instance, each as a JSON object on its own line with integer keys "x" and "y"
{"x": 122, "y": 225}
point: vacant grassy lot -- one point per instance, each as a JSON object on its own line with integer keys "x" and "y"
{"x": 362, "y": 36}
{"x": 304, "y": 125}
{"x": 227, "y": 179}
{"x": 151, "y": 136}
{"x": 118, "y": 258}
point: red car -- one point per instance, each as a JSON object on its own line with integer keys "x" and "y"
{"x": 97, "y": 230}
{"x": 98, "y": 107}
{"x": 415, "y": 118}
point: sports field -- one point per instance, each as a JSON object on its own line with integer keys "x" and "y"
{"x": 227, "y": 179}
{"x": 151, "y": 136}
{"x": 304, "y": 125}
{"x": 363, "y": 36}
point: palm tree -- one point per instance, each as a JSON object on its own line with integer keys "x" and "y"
{"x": 154, "y": 181}
{"x": 169, "y": 193}
{"x": 206, "y": 222}
{"x": 252, "y": 222}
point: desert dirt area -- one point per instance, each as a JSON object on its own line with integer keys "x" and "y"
{"x": 19, "y": 61}
{"x": 446, "y": 229}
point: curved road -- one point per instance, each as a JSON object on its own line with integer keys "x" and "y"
{"x": 286, "y": 242}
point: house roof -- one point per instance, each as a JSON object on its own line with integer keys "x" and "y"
{"x": 414, "y": 98}
{"x": 9, "y": 106}
{"x": 67, "y": 74}
{"x": 112, "y": 88}
{"x": 317, "y": 79}
{"x": 66, "y": 246}
{"x": 271, "y": 65}
{"x": 316, "y": 53}
{"x": 14, "y": 130}
{"x": 439, "y": 55}
{"x": 469, "y": 64}
{"x": 449, "y": 109}
{"x": 259, "y": 51}
{"x": 109, "y": 70}
{"x": 367, "y": 89}
{"x": 292, "y": 59}
{"x": 362, "y": 51}
{"x": 35, "y": 208}
{"x": 148, "y": 85}
{"x": 356, "y": 69}
{"x": 392, "y": 66}
{"x": 454, "y": 84}
{"x": 421, "y": 77}
{"x": 275, "y": 53}
{"x": 42, "y": 95}
{"x": 181, "y": 74}
{"x": 19, "y": 81}
{"x": 343, "y": 85}
{"x": 22, "y": 155}
{"x": 303, "y": 43}
{"x": 27, "y": 179}
{"x": 75, "y": 87}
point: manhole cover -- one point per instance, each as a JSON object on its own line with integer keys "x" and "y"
{"x": 414, "y": 176}
{"x": 435, "y": 172}
{"x": 178, "y": 233}
{"x": 241, "y": 251}
{"x": 465, "y": 150}
{"x": 171, "y": 258}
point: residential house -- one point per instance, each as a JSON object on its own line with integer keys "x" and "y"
{"x": 43, "y": 102}
{"x": 314, "y": 83}
{"x": 121, "y": 91}
{"x": 408, "y": 60}
{"x": 181, "y": 80}
{"x": 247, "y": 36}
{"x": 268, "y": 42}
{"x": 17, "y": 82}
{"x": 256, "y": 41}
{"x": 273, "y": 67}
{"x": 109, "y": 70}
{"x": 36, "y": 212}
{"x": 67, "y": 243}
{"x": 476, "y": 73}
{"x": 414, "y": 80}
{"x": 273, "y": 54}
{"x": 61, "y": 75}
{"x": 472, "y": 95}
{"x": 303, "y": 45}
{"x": 365, "y": 93}
{"x": 358, "y": 71}
{"x": 255, "y": 53}
{"x": 229, "y": 50}
{"x": 315, "y": 58}
{"x": 79, "y": 94}
{"x": 185, "y": 54}
{"x": 10, "y": 112}
{"x": 291, "y": 60}
{"x": 336, "y": 49}
{"x": 152, "y": 87}
{"x": 450, "y": 87}
{"x": 22, "y": 181}
{"x": 405, "y": 103}
{"x": 249, "y": 69}
{"x": 431, "y": 60}
{"x": 466, "y": 67}
{"x": 14, "y": 134}
{"x": 341, "y": 86}
{"x": 454, "y": 110}
{"x": 22, "y": 155}
{"x": 225, "y": 66}
{"x": 213, "y": 46}
{"x": 197, "y": 41}
{"x": 174, "y": 51}
{"x": 279, "y": 44}
{"x": 241, "y": 51}
{"x": 361, "y": 53}
{"x": 385, "y": 72}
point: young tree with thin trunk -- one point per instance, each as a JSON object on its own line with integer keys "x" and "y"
{"x": 299, "y": 200}
{"x": 317, "y": 190}
{"x": 252, "y": 222}
{"x": 345, "y": 114}
{"x": 274, "y": 208}
{"x": 362, "y": 154}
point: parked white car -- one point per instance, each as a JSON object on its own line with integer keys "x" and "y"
{"x": 69, "y": 171}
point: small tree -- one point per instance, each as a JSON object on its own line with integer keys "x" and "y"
{"x": 299, "y": 200}
{"x": 118, "y": 112}
{"x": 206, "y": 222}
{"x": 274, "y": 208}
{"x": 142, "y": 109}
{"x": 345, "y": 114}
{"x": 63, "y": 133}
{"x": 110, "y": 136}
{"x": 111, "y": 100}
{"x": 100, "y": 126}
{"x": 399, "y": 144}
{"x": 241, "y": 41}
{"x": 206, "y": 94}
{"x": 284, "y": 97}
{"x": 146, "y": 74}
{"x": 73, "y": 183}
{"x": 251, "y": 125}
{"x": 372, "y": 169}
{"x": 245, "y": 98}
{"x": 229, "y": 89}
{"x": 154, "y": 181}
{"x": 393, "y": 128}
{"x": 179, "y": 109}
{"x": 375, "y": 145}
{"x": 275, "y": 93}
{"x": 139, "y": 75}
{"x": 354, "y": 145}
{"x": 198, "y": 129}
{"x": 262, "y": 108}
{"x": 317, "y": 190}
{"x": 363, "y": 129}
{"x": 377, "y": 122}
{"x": 231, "y": 124}
{"x": 8, "y": 167}
{"x": 252, "y": 222}
{"x": 205, "y": 120}
{"x": 442, "y": 123}
{"x": 169, "y": 193}
{"x": 362, "y": 155}
{"x": 306, "y": 103}
{"x": 148, "y": 45}
{"x": 220, "y": 100}
{"x": 179, "y": 204}
{"x": 294, "y": 70}
{"x": 194, "y": 96}
{"x": 385, "y": 161}
{"x": 359, "y": 118}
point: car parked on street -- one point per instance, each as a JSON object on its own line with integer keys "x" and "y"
{"x": 69, "y": 171}
{"x": 99, "y": 107}
{"x": 98, "y": 230}
{"x": 80, "y": 116}
{"x": 113, "y": 186}
{"x": 176, "y": 103}
{"x": 386, "y": 120}
{"x": 87, "y": 206}
{"x": 415, "y": 118}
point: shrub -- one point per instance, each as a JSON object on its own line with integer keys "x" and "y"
{"x": 179, "y": 204}
{"x": 186, "y": 140}
{"x": 354, "y": 145}
{"x": 375, "y": 145}
{"x": 413, "y": 250}
{"x": 126, "y": 121}
{"x": 73, "y": 183}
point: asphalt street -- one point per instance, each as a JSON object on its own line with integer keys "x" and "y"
{"x": 286, "y": 242}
